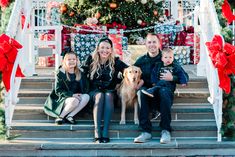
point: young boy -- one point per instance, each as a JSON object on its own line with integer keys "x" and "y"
{"x": 167, "y": 65}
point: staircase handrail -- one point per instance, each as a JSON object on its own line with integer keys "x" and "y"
{"x": 208, "y": 13}
{"x": 14, "y": 31}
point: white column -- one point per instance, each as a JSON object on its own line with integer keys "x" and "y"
{"x": 174, "y": 9}
{"x": 201, "y": 66}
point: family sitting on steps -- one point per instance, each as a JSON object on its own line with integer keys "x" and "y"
{"x": 101, "y": 73}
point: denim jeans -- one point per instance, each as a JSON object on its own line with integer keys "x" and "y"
{"x": 163, "y": 99}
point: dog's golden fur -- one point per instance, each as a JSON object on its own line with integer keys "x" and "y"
{"x": 127, "y": 91}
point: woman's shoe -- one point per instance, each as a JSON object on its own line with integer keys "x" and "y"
{"x": 70, "y": 120}
{"x": 98, "y": 140}
{"x": 106, "y": 140}
{"x": 59, "y": 121}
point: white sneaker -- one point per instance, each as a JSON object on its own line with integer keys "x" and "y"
{"x": 165, "y": 137}
{"x": 143, "y": 137}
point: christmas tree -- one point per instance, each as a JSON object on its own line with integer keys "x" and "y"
{"x": 120, "y": 14}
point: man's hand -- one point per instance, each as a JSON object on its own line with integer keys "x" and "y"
{"x": 167, "y": 76}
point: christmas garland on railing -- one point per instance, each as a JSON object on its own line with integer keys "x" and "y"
{"x": 226, "y": 16}
{"x": 5, "y": 12}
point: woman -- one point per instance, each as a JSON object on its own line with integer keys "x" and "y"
{"x": 102, "y": 69}
{"x": 68, "y": 97}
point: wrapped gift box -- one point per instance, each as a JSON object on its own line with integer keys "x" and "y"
{"x": 164, "y": 39}
{"x": 195, "y": 57}
{"x": 84, "y": 44}
{"x": 182, "y": 54}
{"x": 53, "y": 13}
{"x": 47, "y": 61}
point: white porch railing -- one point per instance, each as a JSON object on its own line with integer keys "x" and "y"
{"x": 11, "y": 96}
{"x": 209, "y": 26}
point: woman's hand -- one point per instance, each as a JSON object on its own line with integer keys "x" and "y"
{"x": 167, "y": 76}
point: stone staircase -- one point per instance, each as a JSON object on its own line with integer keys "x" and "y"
{"x": 194, "y": 127}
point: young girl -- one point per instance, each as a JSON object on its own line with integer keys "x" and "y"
{"x": 68, "y": 97}
{"x": 102, "y": 68}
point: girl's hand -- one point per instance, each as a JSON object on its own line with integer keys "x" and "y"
{"x": 77, "y": 96}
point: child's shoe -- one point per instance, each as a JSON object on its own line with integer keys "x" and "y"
{"x": 59, "y": 120}
{"x": 155, "y": 115}
{"x": 147, "y": 93}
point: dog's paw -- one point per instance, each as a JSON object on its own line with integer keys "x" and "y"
{"x": 136, "y": 121}
{"x": 122, "y": 122}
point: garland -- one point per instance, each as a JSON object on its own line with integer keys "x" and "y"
{"x": 5, "y": 12}
{"x": 225, "y": 16}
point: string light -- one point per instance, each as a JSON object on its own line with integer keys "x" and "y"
{"x": 124, "y": 31}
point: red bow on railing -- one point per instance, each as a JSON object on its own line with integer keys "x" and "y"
{"x": 227, "y": 12}
{"x": 8, "y": 52}
{"x": 223, "y": 58}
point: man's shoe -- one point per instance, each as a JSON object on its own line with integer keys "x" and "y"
{"x": 147, "y": 93}
{"x": 165, "y": 137}
{"x": 106, "y": 140}
{"x": 143, "y": 137}
{"x": 98, "y": 140}
{"x": 155, "y": 115}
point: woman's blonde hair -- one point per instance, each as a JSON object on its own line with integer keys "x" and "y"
{"x": 96, "y": 65}
{"x": 77, "y": 71}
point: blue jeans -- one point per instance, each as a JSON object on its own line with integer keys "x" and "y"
{"x": 163, "y": 99}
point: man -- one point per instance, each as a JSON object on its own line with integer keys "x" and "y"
{"x": 163, "y": 98}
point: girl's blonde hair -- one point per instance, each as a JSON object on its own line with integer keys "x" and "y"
{"x": 77, "y": 71}
{"x": 96, "y": 65}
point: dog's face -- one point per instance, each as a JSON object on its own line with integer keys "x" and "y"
{"x": 132, "y": 74}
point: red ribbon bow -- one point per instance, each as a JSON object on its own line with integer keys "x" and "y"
{"x": 223, "y": 58}
{"x": 8, "y": 52}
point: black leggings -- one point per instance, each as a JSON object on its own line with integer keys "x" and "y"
{"x": 103, "y": 108}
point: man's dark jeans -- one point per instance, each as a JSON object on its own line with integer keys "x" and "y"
{"x": 163, "y": 99}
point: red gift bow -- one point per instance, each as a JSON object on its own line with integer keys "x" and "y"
{"x": 8, "y": 53}
{"x": 223, "y": 58}
{"x": 227, "y": 12}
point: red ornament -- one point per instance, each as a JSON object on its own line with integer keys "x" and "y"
{"x": 63, "y": 8}
{"x": 97, "y": 15}
{"x": 113, "y": 5}
{"x": 155, "y": 13}
{"x": 227, "y": 12}
{"x": 71, "y": 13}
{"x": 143, "y": 24}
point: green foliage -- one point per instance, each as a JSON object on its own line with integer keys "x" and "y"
{"x": 5, "y": 15}
{"x": 228, "y": 128}
{"x": 2, "y": 124}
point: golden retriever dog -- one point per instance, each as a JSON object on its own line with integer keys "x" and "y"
{"x": 127, "y": 91}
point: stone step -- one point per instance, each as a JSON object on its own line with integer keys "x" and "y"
{"x": 180, "y": 111}
{"x": 179, "y": 93}
{"x": 85, "y": 129}
{"x": 117, "y": 147}
{"x": 48, "y": 83}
